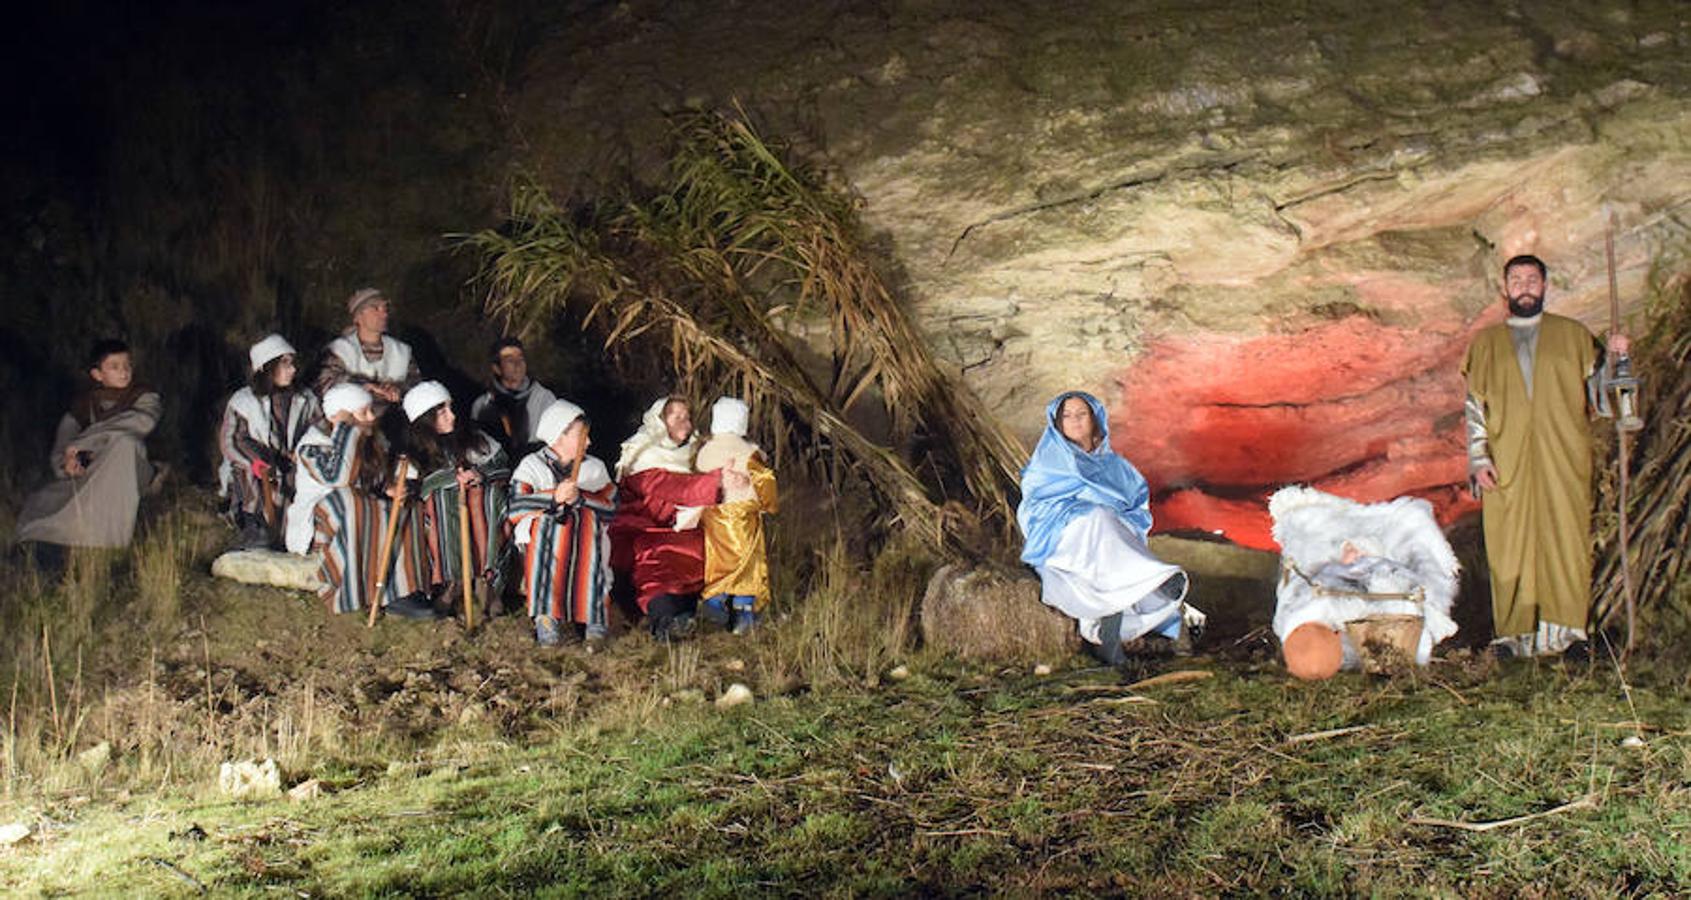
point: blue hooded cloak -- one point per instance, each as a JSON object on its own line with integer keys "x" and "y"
{"x": 1062, "y": 482}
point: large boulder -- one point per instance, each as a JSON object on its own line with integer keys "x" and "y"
{"x": 269, "y": 567}
{"x": 996, "y": 616}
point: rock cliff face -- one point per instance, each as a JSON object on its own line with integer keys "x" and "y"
{"x": 1262, "y": 234}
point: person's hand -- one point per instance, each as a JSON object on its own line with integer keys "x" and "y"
{"x": 565, "y": 492}
{"x": 1619, "y": 343}
{"x": 467, "y": 478}
{"x": 388, "y": 392}
{"x": 735, "y": 480}
{"x": 1486, "y": 478}
{"x": 72, "y": 464}
{"x": 396, "y": 491}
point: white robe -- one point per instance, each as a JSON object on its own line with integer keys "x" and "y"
{"x": 253, "y": 414}
{"x": 300, "y": 526}
{"x": 392, "y": 368}
{"x": 1102, "y": 566}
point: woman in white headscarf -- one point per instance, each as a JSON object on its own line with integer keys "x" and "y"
{"x": 655, "y": 540}
{"x": 262, "y": 423}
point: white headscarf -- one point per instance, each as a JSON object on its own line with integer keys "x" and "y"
{"x": 272, "y": 346}
{"x": 555, "y": 420}
{"x": 345, "y": 397}
{"x": 424, "y": 397}
{"x": 730, "y": 415}
{"x": 651, "y": 447}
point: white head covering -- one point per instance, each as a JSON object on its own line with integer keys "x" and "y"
{"x": 651, "y": 447}
{"x": 555, "y": 420}
{"x": 272, "y": 346}
{"x": 729, "y": 415}
{"x": 361, "y": 297}
{"x": 345, "y": 397}
{"x": 424, "y": 397}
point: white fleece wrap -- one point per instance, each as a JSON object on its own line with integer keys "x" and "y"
{"x": 1312, "y": 528}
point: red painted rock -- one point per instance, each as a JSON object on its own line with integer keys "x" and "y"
{"x": 1361, "y": 409}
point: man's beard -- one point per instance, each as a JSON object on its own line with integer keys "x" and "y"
{"x": 1526, "y": 306}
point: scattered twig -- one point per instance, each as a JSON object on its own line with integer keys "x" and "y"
{"x": 1589, "y": 801}
{"x": 1324, "y": 735}
{"x": 1452, "y": 691}
{"x": 1180, "y": 677}
{"x": 174, "y": 869}
{"x": 1621, "y": 726}
{"x": 1130, "y": 698}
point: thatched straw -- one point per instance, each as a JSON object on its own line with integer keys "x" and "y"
{"x": 1659, "y": 504}
{"x": 737, "y": 243}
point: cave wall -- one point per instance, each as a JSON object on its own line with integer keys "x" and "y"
{"x": 1263, "y": 234}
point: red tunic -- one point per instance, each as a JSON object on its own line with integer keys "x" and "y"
{"x": 644, "y": 545}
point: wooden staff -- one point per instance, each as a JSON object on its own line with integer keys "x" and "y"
{"x": 580, "y": 454}
{"x": 1621, "y": 448}
{"x": 466, "y": 571}
{"x": 265, "y": 489}
{"x": 400, "y": 471}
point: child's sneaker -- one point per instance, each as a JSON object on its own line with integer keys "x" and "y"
{"x": 745, "y": 614}
{"x": 715, "y": 610}
{"x": 546, "y": 631}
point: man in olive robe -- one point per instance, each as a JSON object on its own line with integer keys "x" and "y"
{"x": 1530, "y": 454}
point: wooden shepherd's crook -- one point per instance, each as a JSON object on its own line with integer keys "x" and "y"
{"x": 580, "y": 454}
{"x": 375, "y": 598}
{"x": 1621, "y": 448}
{"x": 466, "y": 571}
{"x": 266, "y": 490}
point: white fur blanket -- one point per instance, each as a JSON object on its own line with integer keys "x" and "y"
{"x": 1312, "y": 528}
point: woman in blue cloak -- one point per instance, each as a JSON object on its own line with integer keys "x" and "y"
{"x": 1085, "y": 514}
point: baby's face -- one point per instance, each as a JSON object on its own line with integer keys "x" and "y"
{"x": 1349, "y": 553}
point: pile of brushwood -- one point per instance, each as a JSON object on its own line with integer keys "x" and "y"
{"x": 1659, "y": 493}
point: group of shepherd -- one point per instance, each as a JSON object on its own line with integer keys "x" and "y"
{"x": 413, "y": 519}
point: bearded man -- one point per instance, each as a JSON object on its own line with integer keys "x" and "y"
{"x": 1529, "y": 458}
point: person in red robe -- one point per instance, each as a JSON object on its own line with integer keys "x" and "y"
{"x": 656, "y": 544}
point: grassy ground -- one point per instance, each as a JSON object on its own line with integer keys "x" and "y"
{"x": 958, "y": 780}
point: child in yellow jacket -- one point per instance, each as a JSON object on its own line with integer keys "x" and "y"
{"x": 736, "y": 566}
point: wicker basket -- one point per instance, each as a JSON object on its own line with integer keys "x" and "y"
{"x": 1386, "y": 642}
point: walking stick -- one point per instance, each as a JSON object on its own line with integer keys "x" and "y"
{"x": 1624, "y": 424}
{"x": 466, "y": 571}
{"x": 267, "y": 488}
{"x": 400, "y": 471}
{"x": 580, "y": 454}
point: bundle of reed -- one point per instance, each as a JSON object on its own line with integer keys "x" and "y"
{"x": 1659, "y": 501}
{"x": 722, "y": 267}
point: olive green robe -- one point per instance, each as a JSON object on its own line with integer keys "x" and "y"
{"x": 1538, "y": 521}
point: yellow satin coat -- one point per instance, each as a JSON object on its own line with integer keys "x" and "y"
{"x": 735, "y": 562}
